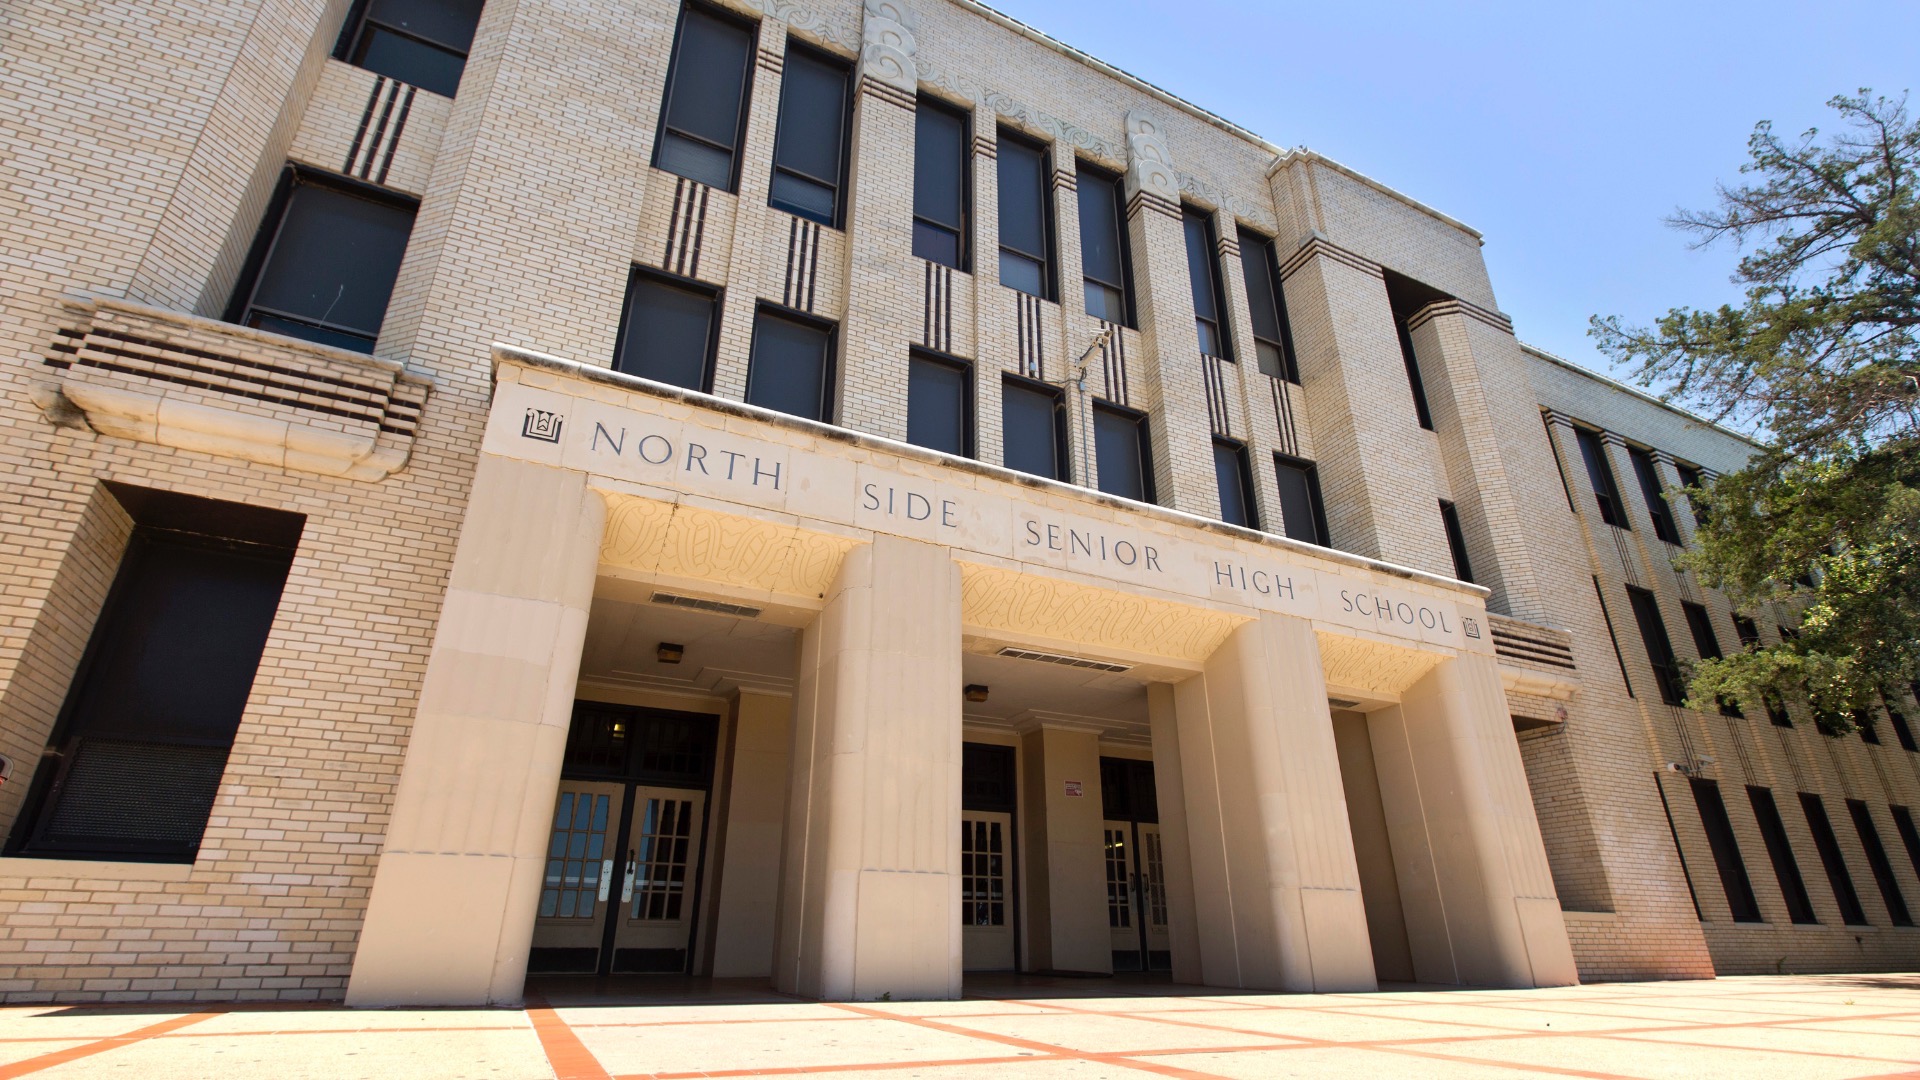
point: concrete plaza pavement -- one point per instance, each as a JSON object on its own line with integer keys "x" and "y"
{"x": 1804, "y": 1027}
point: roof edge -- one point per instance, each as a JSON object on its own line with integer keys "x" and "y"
{"x": 1301, "y": 153}
{"x": 1633, "y": 391}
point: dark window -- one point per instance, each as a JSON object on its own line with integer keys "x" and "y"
{"x": 1034, "y": 418}
{"x": 1128, "y": 791}
{"x": 1649, "y": 477}
{"x": 1863, "y": 719}
{"x": 1026, "y": 217}
{"x": 1303, "y": 515}
{"x": 810, "y": 146}
{"x": 1272, "y": 334}
{"x": 1456, "y": 541}
{"x": 1877, "y": 860}
{"x": 1777, "y": 713}
{"x": 705, "y": 113}
{"x": 1829, "y": 847}
{"x": 1707, "y": 644}
{"x": 1203, "y": 269}
{"x": 1748, "y": 630}
{"x": 1690, "y": 478}
{"x": 941, "y": 183}
{"x": 667, "y": 331}
{"x": 1901, "y": 729}
{"x": 791, "y": 368}
{"x": 986, "y": 777}
{"x": 1909, "y": 836}
{"x": 1600, "y": 475}
{"x": 1793, "y": 887}
{"x": 1726, "y": 851}
{"x": 422, "y": 43}
{"x": 323, "y": 266}
{"x": 940, "y": 404}
{"x": 1235, "y": 479}
{"x": 1653, "y": 633}
{"x": 1121, "y": 449}
{"x": 142, "y": 740}
{"x": 1105, "y": 263}
{"x": 1607, "y": 617}
{"x": 1408, "y": 298}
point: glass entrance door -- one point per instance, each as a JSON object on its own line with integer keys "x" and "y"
{"x": 655, "y": 917}
{"x": 1135, "y": 869}
{"x": 986, "y": 908}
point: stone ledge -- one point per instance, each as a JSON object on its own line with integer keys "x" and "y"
{"x": 136, "y": 372}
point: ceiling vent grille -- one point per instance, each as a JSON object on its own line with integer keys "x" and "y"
{"x": 1064, "y": 661}
{"x": 1342, "y": 703}
{"x": 716, "y": 607}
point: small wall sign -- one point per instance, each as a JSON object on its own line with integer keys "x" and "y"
{"x": 1074, "y": 790}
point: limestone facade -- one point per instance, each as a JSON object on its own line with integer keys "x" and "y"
{"x": 1345, "y": 794}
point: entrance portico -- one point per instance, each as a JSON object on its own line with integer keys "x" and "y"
{"x": 894, "y": 564}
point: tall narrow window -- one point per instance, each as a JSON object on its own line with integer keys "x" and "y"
{"x": 810, "y": 145}
{"x": 942, "y": 183}
{"x": 1303, "y": 515}
{"x": 939, "y": 404}
{"x": 1646, "y": 472}
{"x": 1600, "y": 475}
{"x": 1653, "y": 633}
{"x": 1863, "y": 719}
{"x": 1408, "y": 298}
{"x": 423, "y": 43}
{"x": 1026, "y": 217}
{"x": 1105, "y": 265}
{"x": 1877, "y": 862}
{"x": 1203, "y": 268}
{"x": 1691, "y": 478}
{"x": 323, "y": 265}
{"x": 705, "y": 112}
{"x": 1235, "y": 481}
{"x": 1121, "y": 450}
{"x": 1707, "y": 644}
{"x": 1726, "y": 851}
{"x": 1793, "y": 887}
{"x": 1909, "y": 835}
{"x": 140, "y": 746}
{"x": 1272, "y": 335}
{"x": 791, "y": 366}
{"x": 1034, "y": 435}
{"x": 1607, "y": 617}
{"x": 667, "y": 331}
{"x": 1902, "y": 730}
{"x": 1456, "y": 541}
{"x": 1828, "y": 845}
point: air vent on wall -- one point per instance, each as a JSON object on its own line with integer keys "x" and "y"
{"x": 1065, "y": 661}
{"x": 717, "y": 607}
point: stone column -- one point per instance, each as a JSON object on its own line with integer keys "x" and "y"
{"x": 450, "y": 917}
{"x": 1277, "y": 892}
{"x": 1182, "y": 463}
{"x": 1485, "y": 429}
{"x": 1066, "y": 872}
{"x": 1375, "y": 461}
{"x": 870, "y": 892}
{"x": 752, "y": 825}
{"x": 882, "y": 276}
{"x": 1474, "y": 882}
{"x": 1183, "y": 931}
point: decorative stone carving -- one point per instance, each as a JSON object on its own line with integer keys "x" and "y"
{"x": 1149, "y": 163}
{"x": 807, "y": 22}
{"x": 887, "y": 54}
{"x": 1226, "y": 200}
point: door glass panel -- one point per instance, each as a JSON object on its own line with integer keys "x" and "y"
{"x": 664, "y": 845}
{"x": 1156, "y": 879}
{"x": 983, "y": 875}
{"x": 1119, "y": 904}
{"x": 574, "y": 850}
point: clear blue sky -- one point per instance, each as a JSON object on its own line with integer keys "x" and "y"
{"x": 1564, "y": 132}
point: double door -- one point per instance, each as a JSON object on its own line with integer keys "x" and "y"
{"x": 1135, "y": 868}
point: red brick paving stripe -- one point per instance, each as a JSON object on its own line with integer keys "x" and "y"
{"x": 868, "y": 1066}
{"x": 570, "y": 1058}
{"x": 1031, "y": 1044}
{"x": 100, "y": 1046}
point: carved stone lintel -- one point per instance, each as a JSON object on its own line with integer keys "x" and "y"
{"x": 887, "y": 52}
{"x": 1149, "y": 162}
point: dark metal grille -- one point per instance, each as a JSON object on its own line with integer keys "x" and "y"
{"x": 120, "y": 793}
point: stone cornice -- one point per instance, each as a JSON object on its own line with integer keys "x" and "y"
{"x": 1317, "y": 245}
{"x": 1440, "y": 308}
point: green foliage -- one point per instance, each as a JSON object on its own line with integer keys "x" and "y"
{"x": 1821, "y": 363}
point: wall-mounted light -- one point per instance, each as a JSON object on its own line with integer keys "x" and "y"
{"x": 669, "y": 653}
{"x": 975, "y": 692}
